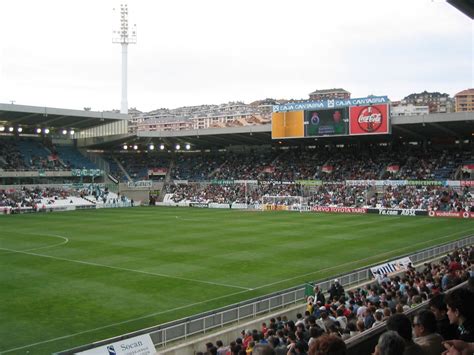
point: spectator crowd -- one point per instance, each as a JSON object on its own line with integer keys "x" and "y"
{"x": 443, "y": 326}
{"x": 428, "y": 198}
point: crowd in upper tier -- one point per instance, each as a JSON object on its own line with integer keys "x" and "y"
{"x": 29, "y": 154}
{"x": 326, "y": 163}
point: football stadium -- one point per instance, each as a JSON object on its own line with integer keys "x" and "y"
{"x": 179, "y": 243}
{"x": 324, "y": 225}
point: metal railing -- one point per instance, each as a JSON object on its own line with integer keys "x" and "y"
{"x": 204, "y": 322}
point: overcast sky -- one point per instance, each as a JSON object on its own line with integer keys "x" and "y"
{"x": 60, "y": 53}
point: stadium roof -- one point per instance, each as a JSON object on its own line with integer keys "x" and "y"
{"x": 36, "y": 116}
{"x": 465, "y": 6}
{"x": 428, "y": 127}
{"x": 450, "y": 126}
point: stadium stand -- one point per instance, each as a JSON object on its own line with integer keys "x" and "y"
{"x": 10, "y": 156}
{"x": 344, "y": 315}
{"x": 48, "y": 199}
{"x": 374, "y": 162}
{"x": 72, "y": 158}
{"x": 210, "y": 178}
{"x": 37, "y": 156}
{"x": 34, "y": 154}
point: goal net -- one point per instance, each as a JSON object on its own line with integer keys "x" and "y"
{"x": 282, "y": 203}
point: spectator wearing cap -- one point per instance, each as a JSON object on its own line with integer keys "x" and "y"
{"x": 461, "y": 312}
{"x": 424, "y": 326}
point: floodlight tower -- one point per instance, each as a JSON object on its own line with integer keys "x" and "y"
{"x": 125, "y": 38}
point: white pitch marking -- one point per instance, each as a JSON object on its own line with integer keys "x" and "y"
{"x": 66, "y": 240}
{"x": 357, "y": 261}
{"x": 126, "y": 269}
{"x": 197, "y": 303}
{"x": 122, "y": 322}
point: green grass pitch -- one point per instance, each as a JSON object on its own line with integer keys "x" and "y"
{"x": 67, "y": 279}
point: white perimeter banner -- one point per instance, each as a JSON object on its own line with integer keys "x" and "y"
{"x": 390, "y": 267}
{"x": 140, "y": 345}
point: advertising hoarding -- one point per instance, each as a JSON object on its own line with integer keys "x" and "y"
{"x": 372, "y": 119}
{"x": 334, "y": 122}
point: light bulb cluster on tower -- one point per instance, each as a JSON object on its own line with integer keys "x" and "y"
{"x": 124, "y": 37}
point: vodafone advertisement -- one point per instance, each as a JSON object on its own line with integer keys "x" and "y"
{"x": 368, "y": 119}
{"x": 451, "y": 214}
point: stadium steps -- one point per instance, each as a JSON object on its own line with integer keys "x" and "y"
{"x": 216, "y": 170}
{"x": 120, "y": 166}
{"x": 97, "y": 159}
{"x": 72, "y": 157}
{"x": 169, "y": 172}
{"x": 273, "y": 163}
{"x": 29, "y": 148}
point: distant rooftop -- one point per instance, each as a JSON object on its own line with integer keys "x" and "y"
{"x": 328, "y": 91}
{"x": 465, "y": 92}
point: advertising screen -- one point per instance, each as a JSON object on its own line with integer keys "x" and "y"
{"x": 369, "y": 119}
{"x": 328, "y": 118}
{"x": 334, "y": 122}
{"x": 287, "y": 124}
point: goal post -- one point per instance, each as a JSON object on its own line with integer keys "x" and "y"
{"x": 282, "y": 203}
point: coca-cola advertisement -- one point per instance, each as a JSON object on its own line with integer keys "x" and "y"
{"x": 372, "y": 119}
